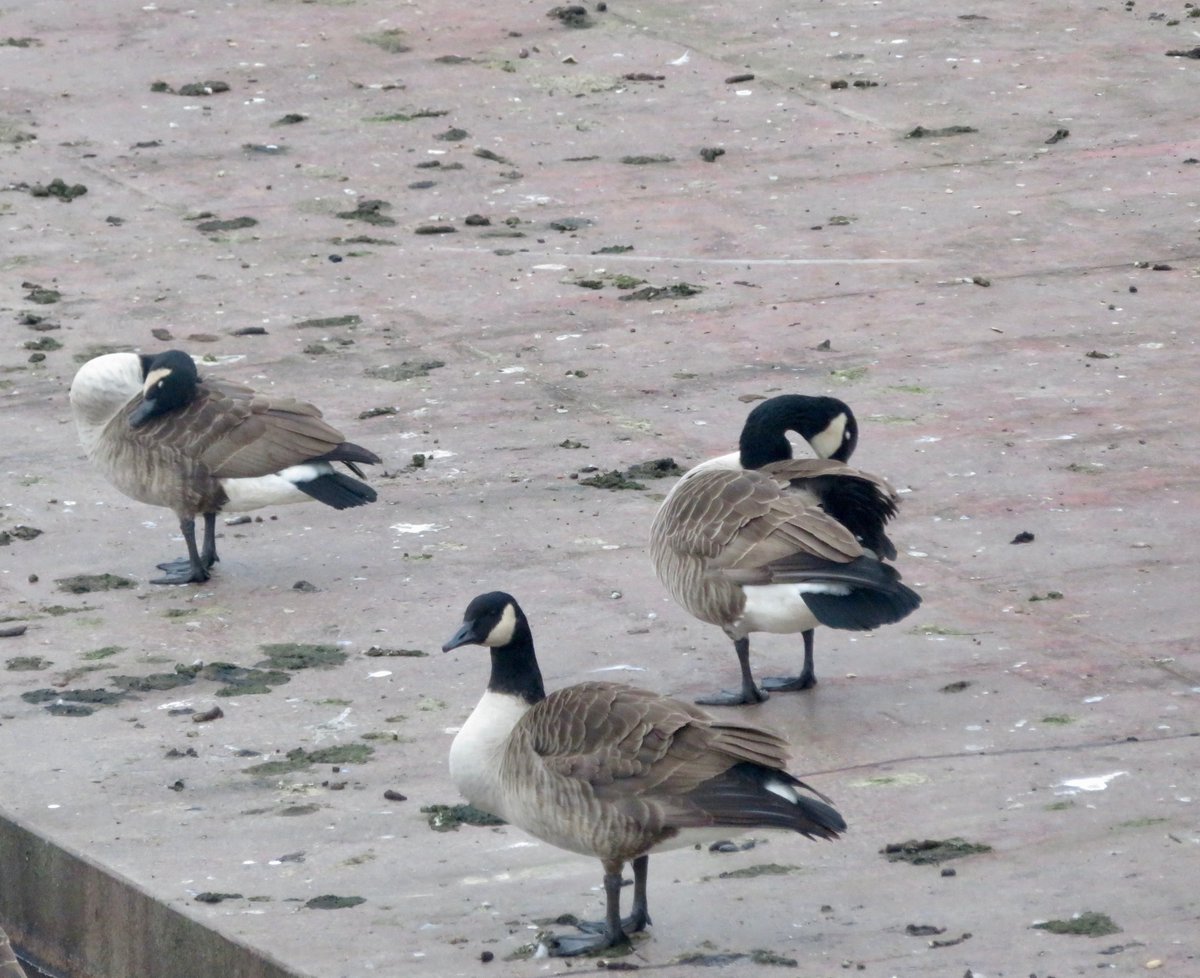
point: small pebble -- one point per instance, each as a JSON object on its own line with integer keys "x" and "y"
{"x": 949, "y": 871}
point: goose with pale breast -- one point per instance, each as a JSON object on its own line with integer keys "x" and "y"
{"x": 164, "y": 435}
{"x": 613, "y": 771}
{"x": 758, "y": 541}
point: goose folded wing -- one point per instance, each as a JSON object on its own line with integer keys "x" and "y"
{"x": 246, "y": 437}
{"x": 738, "y": 520}
{"x": 626, "y": 743}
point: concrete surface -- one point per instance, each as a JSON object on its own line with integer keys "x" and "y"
{"x": 995, "y": 315}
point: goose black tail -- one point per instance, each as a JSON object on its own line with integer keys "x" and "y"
{"x": 864, "y": 608}
{"x": 750, "y": 795}
{"x": 338, "y": 490}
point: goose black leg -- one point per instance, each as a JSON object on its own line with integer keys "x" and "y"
{"x": 612, "y": 934}
{"x": 638, "y": 920}
{"x": 748, "y": 694}
{"x": 192, "y": 569}
{"x": 807, "y": 678}
{"x": 209, "y": 554}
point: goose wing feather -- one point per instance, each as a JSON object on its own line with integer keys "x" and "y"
{"x": 744, "y": 519}
{"x": 237, "y": 433}
{"x": 637, "y": 768}
{"x": 626, "y": 742}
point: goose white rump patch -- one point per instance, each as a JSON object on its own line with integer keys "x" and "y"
{"x": 780, "y": 608}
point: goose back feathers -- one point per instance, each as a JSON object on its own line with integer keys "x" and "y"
{"x": 758, "y": 542}
{"x": 613, "y": 771}
{"x": 164, "y": 436}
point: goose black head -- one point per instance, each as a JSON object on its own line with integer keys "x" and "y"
{"x": 827, "y": 424}
{"x": 170, "y": 384}
{"x": 491, "y": 619}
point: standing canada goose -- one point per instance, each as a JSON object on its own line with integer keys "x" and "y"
{"x": 756, "y": 541}
{"x": 164, "y": 436}
{"x": 613, "y": 771}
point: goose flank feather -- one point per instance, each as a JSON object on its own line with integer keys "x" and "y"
{"x": 613, "y": 771}
{"x": 164, "y": 435}
{"x": 760, "y": 541}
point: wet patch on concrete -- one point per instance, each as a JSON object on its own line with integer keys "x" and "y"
{"x": 931, "y": 851}
{"x": 87, "y": 583}
{"x": 1087, "y": 924}
{"x": 447, "y": 818}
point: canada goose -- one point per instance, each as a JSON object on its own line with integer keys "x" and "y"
{"x": 164, "y": 436}
{"x": 613, "y": 771}
{"x": 756, "y": 541}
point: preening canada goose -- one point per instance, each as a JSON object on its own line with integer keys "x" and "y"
{"x": 613, "y": 771}
{"x": 757, "y": 541}
{"x": 165, "y": 436}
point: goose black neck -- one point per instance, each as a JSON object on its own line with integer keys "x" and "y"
{"x": 764, "y": 435}
{"x": 515, "y": 667}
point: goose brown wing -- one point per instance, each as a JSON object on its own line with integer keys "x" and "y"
{"x": 627, "y": 743}
{"x": 738, "y": 520}
{"x": 240, "y": 434}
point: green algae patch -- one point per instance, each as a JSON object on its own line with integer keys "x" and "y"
{"x": 240, "y": 681}
{"x": 86, "y": 583}
{"x": 298, "y": 655}
{"x": 329, "y": 901}
{"x": 928, "y": 852}
{"x": 154, "y": 681}
{"x": 209, "y": 896}
{"x": 299, "y": 759}
{"x": 101, "y": 697}
{"x": 27, "y": 663}
{"x": 611, "y": 480}
{"x": 762, "y": 869}
{"x": 447, "y": 818}
{"x": 393, "y": 40}
{"x": 1087, "y": 924}
{"x": 103, "y": 652}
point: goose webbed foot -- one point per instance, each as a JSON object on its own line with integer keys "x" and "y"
{"x": 612, "y": 932}
{"x": 733, "y": 697}
{"x": 749, "y": 694}
{"x": 181, "y": 572}
{"x": 789, "y": 684}
{"x": 573, "y": 945}
{"x": 807, "y": 678}
{"x": 192, "y": 569}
